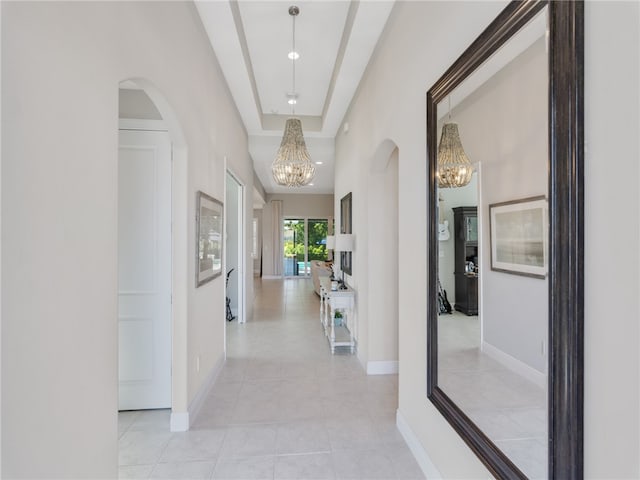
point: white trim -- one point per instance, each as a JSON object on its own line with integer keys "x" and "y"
{"x": 419, "y": 453}
{"x": 207, "y": 385}
{"x": 389, "y": 367}
{"x": 179, "y": 422}
{"x": 141, "y": 124}
{"x": 515, "y": 365}
{"x": 272, "y": 277}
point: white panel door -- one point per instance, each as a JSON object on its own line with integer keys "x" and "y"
{"x": 144, "y": 270}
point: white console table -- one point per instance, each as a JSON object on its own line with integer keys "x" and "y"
{"x": 343, "y": 300}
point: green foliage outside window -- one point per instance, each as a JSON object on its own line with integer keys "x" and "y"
{"x": 294, "y": 229}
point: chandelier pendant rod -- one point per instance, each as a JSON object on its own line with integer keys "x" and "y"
{"x": 293, "y": 62}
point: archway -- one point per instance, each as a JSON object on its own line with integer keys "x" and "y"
{"x": 382, "y": 235}
{"x": 178, "y": 245}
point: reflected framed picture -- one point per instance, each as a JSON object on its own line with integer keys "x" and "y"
{"x": 346, "y": 227}
{"x": 519, "y": 237}
{"x": 208, "y": 238}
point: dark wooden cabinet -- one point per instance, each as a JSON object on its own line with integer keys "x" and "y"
{"x": 465, "y": 221}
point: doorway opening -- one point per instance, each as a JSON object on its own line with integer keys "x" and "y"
{"x": 235, "y": 248}
{"x": 152, "y": 255}
{"x": 305, "y": 239}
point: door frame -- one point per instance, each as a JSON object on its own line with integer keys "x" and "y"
{"x": 179, "y": 420}
{"x": 241, "y": 243}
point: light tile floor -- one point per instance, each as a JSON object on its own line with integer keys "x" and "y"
{"x": 508, "y": 408}
{"x": 282, "y": 408}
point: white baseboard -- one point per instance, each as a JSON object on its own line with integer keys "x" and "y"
{"x": 426, "y": 464}
{"x": 361, "y": 360}
{"x": 383, "y": 368}
{"x": 181, "y": 421}
{"x": 515, "y": 365}
{"x": 271, "y": 277}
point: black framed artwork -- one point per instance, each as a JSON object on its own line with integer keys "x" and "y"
{"x": 346, "y": 227}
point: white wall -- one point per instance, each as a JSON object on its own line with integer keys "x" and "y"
{"x": 378, "y": 340}
{"x": 390, "y": 104}
{"x": 62, "y": 64}
{"x": 293, "y": 205}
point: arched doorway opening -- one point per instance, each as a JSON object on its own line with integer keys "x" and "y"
{"x": 382, "y": 234}
{"x": 152, "y": 253}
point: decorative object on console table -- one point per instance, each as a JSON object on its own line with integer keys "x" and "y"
{"x": 208, "y": 238}
{"x": 344, "y": 244}
{"x": 319, "y": 269}
{"x": 465, "y": 220}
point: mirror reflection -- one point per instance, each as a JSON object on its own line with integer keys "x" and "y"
{"x": 493, "y": 290}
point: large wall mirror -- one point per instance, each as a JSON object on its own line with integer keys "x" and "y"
{"x": 505, "y": 319}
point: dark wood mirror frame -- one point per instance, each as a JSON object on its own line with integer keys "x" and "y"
{"x": 566, "y": 235}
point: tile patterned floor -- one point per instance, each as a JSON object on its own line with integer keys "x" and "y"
{"x": 508, "y": 408}
{"x": 282, "y": 408}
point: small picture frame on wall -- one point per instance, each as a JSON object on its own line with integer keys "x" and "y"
{"x": 346, "y": 227}
{"x": 519, "y": 232}
{"x": 208, "y": 238}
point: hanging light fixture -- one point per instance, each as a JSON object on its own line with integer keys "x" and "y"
{"x": 292, "y": 166}
{"x": 454, "y": 167}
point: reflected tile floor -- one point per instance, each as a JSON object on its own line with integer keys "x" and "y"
{"x": 509, "y": 409}
{"x": 282, "y": 408}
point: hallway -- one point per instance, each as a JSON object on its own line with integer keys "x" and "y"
{"x": 282, "y": 408}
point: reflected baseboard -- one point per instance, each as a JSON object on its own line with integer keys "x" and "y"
{"x": 515, "y": 365}
{"x": 388, "y": 367}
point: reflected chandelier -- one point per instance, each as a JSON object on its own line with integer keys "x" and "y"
{"x": 454, "y": 167}
{"x": 292, "y": 166}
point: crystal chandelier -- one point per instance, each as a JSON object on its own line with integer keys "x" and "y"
{"x": 292, "y": 166}
{"x": 454, "y": 167}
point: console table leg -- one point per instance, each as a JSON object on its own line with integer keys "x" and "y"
{"x": 333, "y": 330}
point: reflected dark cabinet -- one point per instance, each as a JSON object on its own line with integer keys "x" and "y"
{"x": 465, "y": 220}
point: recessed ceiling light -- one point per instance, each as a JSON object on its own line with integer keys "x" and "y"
{"x": 318, "y": 163}
{"x": 292, "y": 98}
{"x": 311, "y": 184}
{"x": 293, "y": 55}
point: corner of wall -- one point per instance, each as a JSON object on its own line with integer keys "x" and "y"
{"x": 424, "y": 461}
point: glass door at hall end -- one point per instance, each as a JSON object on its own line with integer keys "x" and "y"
{"x": 304, "y": 240}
